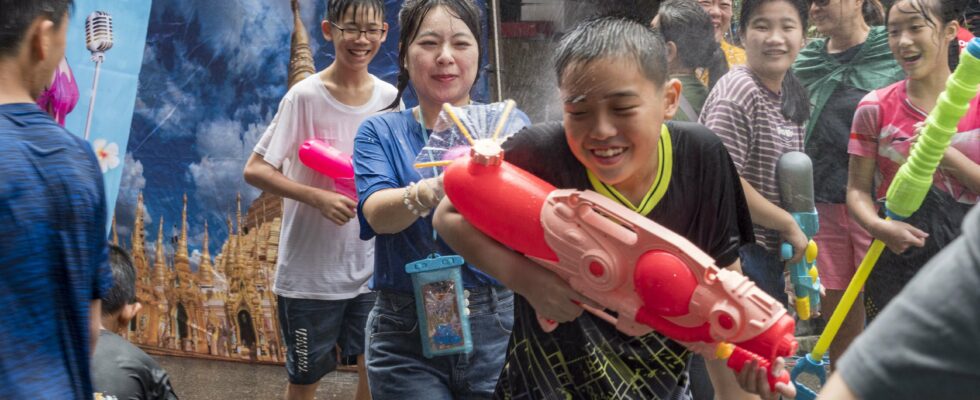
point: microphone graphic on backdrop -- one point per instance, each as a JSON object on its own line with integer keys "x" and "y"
{"x": 98, "y": 39}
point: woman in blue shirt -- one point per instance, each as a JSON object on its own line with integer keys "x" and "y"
{"x": 439, "y": 53}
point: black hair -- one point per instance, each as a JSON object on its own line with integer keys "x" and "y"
{"x": 17, "y": 15}
{"x": 795, "y": 100}
{"x": 123, "y": 291}
{"x": 685, "y": 23}
{"x": 410, "y": 19}
{"x": 873, "y": 12}
{"x": 947, "y": 11}
{"x": 337, "y": 8}
{"x": 613, "y": 37}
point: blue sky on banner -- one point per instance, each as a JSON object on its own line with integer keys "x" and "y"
{"x": 213, "y": 75}
{"x": 117, "y": 83}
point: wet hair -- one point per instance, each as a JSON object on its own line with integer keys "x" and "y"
{"x": 946, "y": 11}
{"x": 873, "y": 12}
{"x": 337, "y": 8}
{"x": 410, "y": 19}
{"x": 686, "y": 24}
{"x": 795, "y": 100}
{"x": 123, "y": 291}
{"x": 613, "y": 37}
{"x": 18, "y": 15}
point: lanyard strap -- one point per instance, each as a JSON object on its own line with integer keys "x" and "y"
{"x": 425, "y": 139}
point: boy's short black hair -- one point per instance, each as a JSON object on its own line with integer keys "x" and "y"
{"x": 123, "y": 291}
{"x": 17, "y": 15}
{"x": 337, "y": 8}
{"x": 610, "y": 37}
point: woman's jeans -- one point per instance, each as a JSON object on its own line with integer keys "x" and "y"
{"x": 397, "y": 369}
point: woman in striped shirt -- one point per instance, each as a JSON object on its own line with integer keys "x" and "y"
{"x": 759, "y": 110}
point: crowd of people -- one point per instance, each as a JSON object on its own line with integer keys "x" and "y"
{"x": 681, "y": 119}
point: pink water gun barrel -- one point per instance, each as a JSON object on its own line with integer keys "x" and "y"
{"x": 651, "y": 277}
{"x": 321, "y": 157}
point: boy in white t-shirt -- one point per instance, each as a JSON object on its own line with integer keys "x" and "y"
{"x": 323, "y": 267}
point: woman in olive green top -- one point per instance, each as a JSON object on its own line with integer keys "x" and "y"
{"x": 687, "y": 30}
{"x": 838, "y": 72}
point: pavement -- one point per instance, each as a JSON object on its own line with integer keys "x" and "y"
{"x": 201, "y": 379}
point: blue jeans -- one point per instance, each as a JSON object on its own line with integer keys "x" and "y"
{"x": 397, "y": 369}
{"x": 765, "y": 269}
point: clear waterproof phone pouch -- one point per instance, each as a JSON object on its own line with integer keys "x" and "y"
{"x": 444, "y": 322}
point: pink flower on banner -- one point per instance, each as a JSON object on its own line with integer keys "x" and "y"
{"x": 107, "y": 154}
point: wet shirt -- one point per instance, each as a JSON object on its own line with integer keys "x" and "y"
{"x": 746, "y": 116}
{"x": 121, "y": 371}
{"x": 698, "y": 196}
{"x": 884, "y": 126}
{"x": 53, "y": 255}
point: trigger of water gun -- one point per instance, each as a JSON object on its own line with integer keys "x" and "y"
{"x": 738, "y": 358}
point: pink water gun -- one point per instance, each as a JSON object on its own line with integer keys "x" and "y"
{"x": 651, "y": 277}
{"x": 327, "y": 160}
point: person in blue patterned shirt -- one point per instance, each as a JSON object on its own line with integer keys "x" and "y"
{"x": 53, "y": 249}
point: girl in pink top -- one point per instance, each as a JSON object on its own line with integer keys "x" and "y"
{"x": 885, "y": 126}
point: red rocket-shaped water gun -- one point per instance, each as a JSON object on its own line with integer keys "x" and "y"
{"x": 651, "y": 277}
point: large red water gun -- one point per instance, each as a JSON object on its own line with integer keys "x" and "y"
{"x": 651, "y": 277}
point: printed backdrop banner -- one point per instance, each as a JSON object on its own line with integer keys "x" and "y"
{"x": 118, "y": 77}
{"x": 204, "y": 242}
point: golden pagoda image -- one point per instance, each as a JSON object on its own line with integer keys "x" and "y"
{"x": 225, "y": 308}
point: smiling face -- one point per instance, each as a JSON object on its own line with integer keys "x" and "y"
{"x": 919, "y": 45}
{"x": 833, "y": 17}
{"x": 612, "y": 119}
{"x": 442, "y": 59}
{"x": 721, "y": 16}
{"x": 356, "y": 53}
{"x": 773, "y": 38}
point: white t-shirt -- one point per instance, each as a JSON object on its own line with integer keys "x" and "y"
{"x": 318, "y": 259}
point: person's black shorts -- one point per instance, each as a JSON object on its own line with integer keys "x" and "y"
{"x": 312, "y": 329}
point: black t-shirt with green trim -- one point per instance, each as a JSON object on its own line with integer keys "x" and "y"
{"x": 697, "y": 195}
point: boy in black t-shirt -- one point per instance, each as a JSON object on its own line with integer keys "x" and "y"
{"x": 121, "y": 370}
{"x": 612, "y": 76}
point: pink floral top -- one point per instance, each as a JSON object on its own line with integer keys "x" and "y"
{"x": 884, "y": 126}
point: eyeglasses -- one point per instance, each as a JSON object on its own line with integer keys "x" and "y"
{"x": 373, "y": 35}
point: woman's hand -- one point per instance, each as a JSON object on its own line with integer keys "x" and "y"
{"x": 430, "y": 192}
{"x": 899, "y": 236}
{"x": 791, "y": 233}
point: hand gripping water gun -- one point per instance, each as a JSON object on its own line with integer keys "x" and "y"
{"x": 327, "y": 160}
{"x": 652, "y": 278}
{"x": 904, "y": 196}
{"x": 795, "y": 174}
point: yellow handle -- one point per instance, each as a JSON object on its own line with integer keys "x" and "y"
{"x": 803, "y": 307}
{"x": 844, "y": 307}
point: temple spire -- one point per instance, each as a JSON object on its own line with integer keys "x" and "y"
{"x": 182, "y": 241}
{"x": 160, "y": 264}
{"x": 300, "y": 55}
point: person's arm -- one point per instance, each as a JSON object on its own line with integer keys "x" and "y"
{"x": 729, "y": 121}
{"x": 772, "y": 217}
{"x": 962, "y": 168}
{"x": 836, "y": 389}
{"x": 897, "y": 235}
{"x": 387, "y": 213}
{"x": 336, "y": 207}
{"x": 547, "y": 292}
{"x": 94, "y": 322}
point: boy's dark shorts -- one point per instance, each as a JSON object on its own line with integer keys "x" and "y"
{"x": 311, "y": 330}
